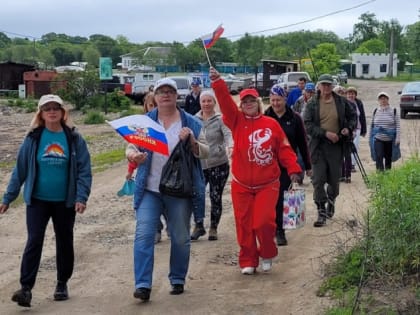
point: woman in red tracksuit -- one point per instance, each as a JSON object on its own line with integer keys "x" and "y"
{"x": 260, "y": 145}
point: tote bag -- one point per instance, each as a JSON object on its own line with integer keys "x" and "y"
{"x": 294, "y": 208}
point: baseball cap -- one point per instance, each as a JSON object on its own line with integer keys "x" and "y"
{"x": 165, "y": 81}
{"x": 195, "y": 82}
{"x": 383, "y": 94}
{"x": 250, "y": 92}
{"x": 277, "y": 90}
{"x": 309, "y": 86}
{"x": 326, "y": 78}
{"x": 49, "y": 98}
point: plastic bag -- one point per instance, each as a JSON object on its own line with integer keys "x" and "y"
{"x": 294, "y": 208}
{"x": 127, "y": 189}
{"x": 176, "y": 179}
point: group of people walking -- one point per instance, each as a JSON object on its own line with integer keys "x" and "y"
{"x": 264, "y": 150}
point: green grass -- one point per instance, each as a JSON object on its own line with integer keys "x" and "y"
{"x": 104, "y": 160}
{"x": 388, "y": 251}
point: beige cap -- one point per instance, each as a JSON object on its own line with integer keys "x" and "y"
{"x": 50, "y": 98}
{"x": 383, "y": 94}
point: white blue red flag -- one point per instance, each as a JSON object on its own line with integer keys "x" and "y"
{"x": 210, "y": 39}
{"x": 142, "y": 131}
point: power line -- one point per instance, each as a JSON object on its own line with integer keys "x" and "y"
{"x": 306, "y": 21}
{"x": 19, "y": 35}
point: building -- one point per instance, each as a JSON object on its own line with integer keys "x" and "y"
{"x": 150, "y": 55}
{"x": 11, "y": 75}
{"x": 373, "y": 66}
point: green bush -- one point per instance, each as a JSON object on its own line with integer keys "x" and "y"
{"x": 131, "y": 111}
{"x": 395, "y": 218}
{"x": 94, "y": 118}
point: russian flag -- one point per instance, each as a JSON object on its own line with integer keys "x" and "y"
{"x": 142, "y": 131}
{"x": 210, "y": 39}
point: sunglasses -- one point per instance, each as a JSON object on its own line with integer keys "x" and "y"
{"x": 51, "y": 108}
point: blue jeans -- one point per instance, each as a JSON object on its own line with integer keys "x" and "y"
{"x": 178, "y": 212}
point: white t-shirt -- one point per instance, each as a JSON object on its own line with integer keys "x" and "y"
{"x": 159, "y": 160}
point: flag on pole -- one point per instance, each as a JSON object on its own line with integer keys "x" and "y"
{"x": 142, "y": 131}
{"x": 210, "y": 39}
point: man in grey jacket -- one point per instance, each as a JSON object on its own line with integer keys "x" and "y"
{"x": 329, "y": 120}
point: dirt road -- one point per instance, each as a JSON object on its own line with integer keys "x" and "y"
{"x": 103, "y": 277}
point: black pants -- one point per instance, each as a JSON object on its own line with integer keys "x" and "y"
{"x": 284, "y": 185}
{"x": 383, "y": 150}
{"x": 326, "y": 168}
{"x": 37, "y": 216}
{"x": 216, "y": 177}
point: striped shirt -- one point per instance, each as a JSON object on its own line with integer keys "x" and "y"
{"x": 385, "y": 118}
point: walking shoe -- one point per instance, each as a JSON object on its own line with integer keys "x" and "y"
{"x": 142, "y": 294}
{"x": 198, "y": 231}
{"x": 281, "y": 238}
{"x": 23, "y": 297}
{"x": 61, "y": 293}
{"x": 353, "y": 169}
{"x": 330, "y": 209}
{"x": 321, "y": 221}
{"x": 213, "y": 234}
{"x": 248, "y": 270}
{"x": 266, "y": 265}
{"x": 177, "y": 289}
{"x": 348, "y": 180}
{"x": 158, "y": 237}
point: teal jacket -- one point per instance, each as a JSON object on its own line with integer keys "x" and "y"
{"x": 80, "y": 174}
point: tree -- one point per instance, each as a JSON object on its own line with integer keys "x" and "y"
{"x": 372, "y": 46}
{"x": 325, "y": 58}
{"x": 412, "y": 42}
{"x": 4, "y": 40}
{"x": 367, "y": 29}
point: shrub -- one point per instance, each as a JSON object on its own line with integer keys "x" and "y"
{"x": 94, "y": 118}
{"x": 395, "y": 219}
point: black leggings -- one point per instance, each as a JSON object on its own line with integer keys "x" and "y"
{"x": 216, "y": 177}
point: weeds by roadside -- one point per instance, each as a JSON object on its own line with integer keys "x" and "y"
{"x": 380, "y": 273}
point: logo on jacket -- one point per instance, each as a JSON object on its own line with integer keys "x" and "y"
{"x": 258, "y": 152}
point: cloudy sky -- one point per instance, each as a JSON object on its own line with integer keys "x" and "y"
{"x": 186, "y": 20}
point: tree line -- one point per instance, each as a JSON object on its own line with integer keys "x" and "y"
{"x": 325, "y": 47}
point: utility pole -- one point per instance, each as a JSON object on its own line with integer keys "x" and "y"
{"x": 391, "y": 55}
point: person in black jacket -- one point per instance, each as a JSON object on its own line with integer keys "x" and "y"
{"x": 329, "y": 121}
{"x": 293, "y": 127}
{"x": 361, "y": 129}
{"x": 192, "y": 101}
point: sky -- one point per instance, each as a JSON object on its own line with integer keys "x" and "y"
{"x": 186, "y": 20}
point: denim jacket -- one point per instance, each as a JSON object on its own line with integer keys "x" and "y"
{"x": 143, "y": 170}
{"x": 80, "y": 175}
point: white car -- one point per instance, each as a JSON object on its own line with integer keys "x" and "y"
{"x": 289, "y": 79}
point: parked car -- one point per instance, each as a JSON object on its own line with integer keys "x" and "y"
{"x": 342, "y": 76}
{"x": 410, "y": 98}
{"x": 289, "y": 79}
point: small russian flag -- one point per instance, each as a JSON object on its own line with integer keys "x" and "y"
{"x": 142, "y": 131}
{"x": 210, "y": 39}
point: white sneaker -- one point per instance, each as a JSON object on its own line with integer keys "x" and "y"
{"x": 266, "y": 265}
{"x": 248, "y": 270}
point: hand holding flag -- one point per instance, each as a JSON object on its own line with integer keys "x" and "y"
{"x": 142, "y": 131}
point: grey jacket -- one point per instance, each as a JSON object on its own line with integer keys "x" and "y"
{"x": 218, "y": 137}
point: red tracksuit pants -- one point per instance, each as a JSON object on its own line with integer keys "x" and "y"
{"x": 255, "y": 217}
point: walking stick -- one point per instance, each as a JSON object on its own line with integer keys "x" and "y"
{"x": 359, "y": 163}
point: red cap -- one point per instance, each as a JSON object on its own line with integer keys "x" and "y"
{"x": 246, "y": 92}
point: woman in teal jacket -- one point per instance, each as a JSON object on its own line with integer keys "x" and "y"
{"x": 54, "y": 164}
